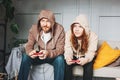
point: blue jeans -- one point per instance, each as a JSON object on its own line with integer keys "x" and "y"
{"x": 57, "y": 62}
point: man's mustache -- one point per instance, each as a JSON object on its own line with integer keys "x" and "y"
{"x": 46, "y": 26}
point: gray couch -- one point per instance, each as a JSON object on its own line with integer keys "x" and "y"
{"x": 41, "y": 72}
{"x": 104, "y": 73}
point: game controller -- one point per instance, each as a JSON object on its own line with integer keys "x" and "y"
{"x": 75, "y": 61}
{"x": 38, "y": 53}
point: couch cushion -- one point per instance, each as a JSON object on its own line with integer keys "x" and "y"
{"x": 42, "y": 72}
{"x": 115, "y": 63}
{"x": 105, "y": 56}
{"x": 111, "y": 72}
{"x": 108, "y": 72}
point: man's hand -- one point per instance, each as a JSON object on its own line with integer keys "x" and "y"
{"x": 44, "y": 54}
{"x": 31, "y": 54}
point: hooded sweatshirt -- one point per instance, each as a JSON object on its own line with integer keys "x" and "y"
{"x": 92, "y": 40}
{"x": 55, "y": 45}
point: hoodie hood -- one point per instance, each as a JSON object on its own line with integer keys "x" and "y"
{"x": 47, "y": 14}
{"x": 83, "y": 21}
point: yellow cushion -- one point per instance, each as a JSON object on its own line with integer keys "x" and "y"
{"x": 105, "y": 56}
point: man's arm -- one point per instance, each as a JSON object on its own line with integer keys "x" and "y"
{"x": 31, "y": 41}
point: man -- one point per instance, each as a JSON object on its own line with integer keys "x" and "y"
{"x": 50, "y": 38}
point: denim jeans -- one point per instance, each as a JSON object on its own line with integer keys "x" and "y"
{"x": 57, "y": 62}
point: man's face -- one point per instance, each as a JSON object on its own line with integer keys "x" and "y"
{"x": 45, "y": 24}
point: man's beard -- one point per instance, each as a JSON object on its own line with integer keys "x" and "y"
{"x": 46, "y": 31}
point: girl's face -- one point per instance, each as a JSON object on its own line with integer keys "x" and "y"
{"x": 78, "y": 30}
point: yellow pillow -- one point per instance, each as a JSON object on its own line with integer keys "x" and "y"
{"x": 105, "y": 56}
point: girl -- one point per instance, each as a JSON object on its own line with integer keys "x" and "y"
{"x": 80, "y": 48}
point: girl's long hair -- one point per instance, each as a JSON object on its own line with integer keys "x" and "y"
{"x": 84, "y": 40}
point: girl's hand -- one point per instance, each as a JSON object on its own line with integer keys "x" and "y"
{"x": 69, "y": 61}
{"x": 83, "y": 61}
